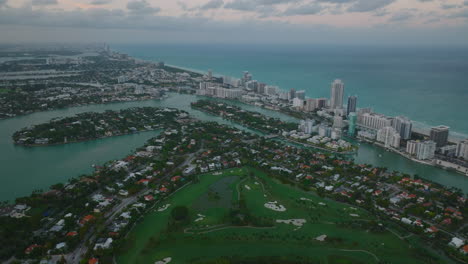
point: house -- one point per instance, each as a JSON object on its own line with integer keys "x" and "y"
{"x": 103, "y": 243}
{"x": 30, "y": 249}
{"x": 60, "y": 245}
{"x": 464, "y": 250}
{"x": 189, "y": 170}
{"x": 123, "y": 192}
{"x": 176, "y": 178}
{"x": 406, "y": 221}
{"x": 93, "y": 261}
{"x": 456, "y": 242}
{"x": 149, "y": 198}
{"x": 86, "y": 219}
{"x": 72, "y": 234}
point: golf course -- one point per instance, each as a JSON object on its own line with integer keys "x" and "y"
{"x": 243, "y": 216}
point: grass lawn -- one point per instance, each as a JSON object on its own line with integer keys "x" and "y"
{"x": 210, "y": 235}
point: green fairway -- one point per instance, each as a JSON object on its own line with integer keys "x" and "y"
{"x": 351, "y": 233}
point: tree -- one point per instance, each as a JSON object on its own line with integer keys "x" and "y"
{"x": 180, "y": 213}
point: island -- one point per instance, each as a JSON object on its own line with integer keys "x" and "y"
{"x": 274, "y": 127}
{"x": 213, "y": 191}
{"x": 91, "y": 125}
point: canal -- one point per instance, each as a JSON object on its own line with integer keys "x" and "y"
{"x": 25, "y": 169}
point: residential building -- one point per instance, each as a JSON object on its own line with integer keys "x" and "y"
{"x": 389, "y": 136}
{"x": 337, "y": 122}
{"x": 426, "y": 150}
{"x": 300, "y": 94}
{"x": 292, "y": 94}
{"x": 352, "y": 104}
{"x": 321, "y": 103}
{"x": 412, "y": 147}
{"x": 462, "y": 149}
{"x": 439, "y": 135}
{"x": 336, "y": 94}
{"x": 298, "y": 103}
{"x": 310, "y": 105}
{"x": 352, "y": 119}
{"x": 374, "y": 121}
{"x": 403, "y": 126}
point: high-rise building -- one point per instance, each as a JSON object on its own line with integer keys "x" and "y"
{"x": 352, "y": 119}
{"x": 403, "y": 126}
{"x": 426, "y": 150}
{"x": 306, "y": 126}
{"x": 352, "y": 104}
{"x": 310, "y": 105}
{"x": 439, "y": 135}
{"x": 321, "y": 103}
{"x": 298, "y": 103}
{"x": 389, "y": 136}
{"x": 337, "y": 122}
{"x": 292, "y": 94}
{"x": 373, "y": 121}
{"x": 462, "y": 149}
{"x": 336, "y": 94}
{"x": 412, "y": 147}
{"x": 210, "y": 74}
{"x": 300, "y": 94}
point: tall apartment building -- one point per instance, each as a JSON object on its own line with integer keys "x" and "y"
{"x": 336, "y": 94}
{"x": 352, "y": 104}
{"x": 403, "y": 126}
{"x": 439, "y": 135}
{"x": 462, "y": 149}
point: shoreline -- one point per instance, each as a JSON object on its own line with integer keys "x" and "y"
{"x": 418, "y": 125}
{"x": 83, "y": 140}
{"x": 423, "y": 162}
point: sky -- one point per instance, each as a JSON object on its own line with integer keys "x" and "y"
{"x": 384, "y": 22}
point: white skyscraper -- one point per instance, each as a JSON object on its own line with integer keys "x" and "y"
{"x": 389, "y": 136}
{"x": 337, "y": 93}
{"x": 462, "y": 149}
{"x": 426, "y": 150}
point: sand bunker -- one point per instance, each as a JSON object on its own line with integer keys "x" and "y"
{"x": 164, "y": 261}
{"x": 247, "y": 187}
{"x": 297, "y": 222}
{"x": 275, "y": 206}
{"x": 321, "y": 238}
{"x": 163, "y": 208}
{"x": 200, "y": 217}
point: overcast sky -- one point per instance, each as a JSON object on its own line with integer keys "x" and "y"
{"x": 432, "y": 22}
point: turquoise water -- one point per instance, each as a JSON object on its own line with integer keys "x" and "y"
{"x": 426, "y": 84}
{"x": 24, "y": 169}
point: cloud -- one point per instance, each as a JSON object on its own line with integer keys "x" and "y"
{"x": 310, "y": 9}
{"x": 141, "y": 7}
{"x": 252, "y": 5}
{"x": 3, "y": 2}
{"x": 448, "y": 6}
{"x": 461, "y": 14}
{"x": 100, "y": 2}
{"x": 401, "y": 16}
{"x": 465, "y": 3}
{"x": 44, "y": 2}
{"x": 212, "y": 4}
{"x": 369, "y": 5}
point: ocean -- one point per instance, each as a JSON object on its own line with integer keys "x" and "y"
{"x": 426, "y": 84}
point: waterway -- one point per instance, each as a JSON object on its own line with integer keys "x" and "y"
{"x": 25, "y": 169}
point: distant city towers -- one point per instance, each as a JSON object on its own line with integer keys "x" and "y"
{"x": 439, "y": 135}
{"x": 337, "y": 93}
{"x": 352, "y": 120}
{"x": 352, "y": 104}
